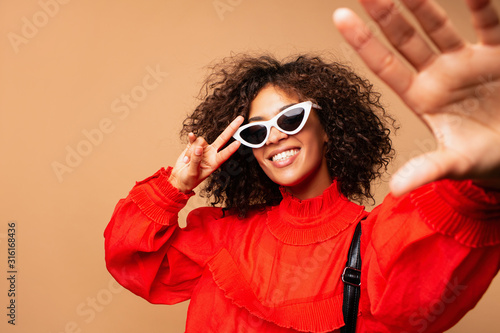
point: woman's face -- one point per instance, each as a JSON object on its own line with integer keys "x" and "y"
{"x": 294, "y": 161}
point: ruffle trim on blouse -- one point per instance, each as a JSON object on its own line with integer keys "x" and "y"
{"x": 314, "y": 206}
{"x": 161, "y": 200}
{"x": 460, "y": 210}
{"x": 304, "y": 222}
{"x": 306, "y": 315}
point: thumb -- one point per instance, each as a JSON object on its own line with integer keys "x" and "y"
{"x": 196, "y": 157}
{"x": 424, "y": 169}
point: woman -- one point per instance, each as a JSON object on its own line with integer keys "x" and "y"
{"x": 315, "y": 135}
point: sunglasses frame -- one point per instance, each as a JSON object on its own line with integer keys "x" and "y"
{"x": 273, "y": 122}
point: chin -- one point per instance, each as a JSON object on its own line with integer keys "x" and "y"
{"x": 288, "y": 180}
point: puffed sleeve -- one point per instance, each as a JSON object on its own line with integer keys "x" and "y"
{"x": 141, "y": 242}
{"x": 428, "y": 257}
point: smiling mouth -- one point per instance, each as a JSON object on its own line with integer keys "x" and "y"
{"x": 284, "y": 155}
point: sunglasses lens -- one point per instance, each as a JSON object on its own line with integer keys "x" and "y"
{"x": 254, "y": 134}
{"x": 288, "y": 122}
{"x": 291, "y": 119}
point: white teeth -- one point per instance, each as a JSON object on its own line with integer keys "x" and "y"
{"x": 284, "y": 155}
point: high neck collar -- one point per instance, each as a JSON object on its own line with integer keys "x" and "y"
{"x": 303, "y": 222}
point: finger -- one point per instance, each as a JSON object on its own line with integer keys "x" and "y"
{"x": 191, "y": 138}
{"x": 188, "y": 151}
{"x": 424, "y": 169}
{"x": 227, "y": 133}
{"x": 486, "y": 22}
{"x": 436, "y": 24}
{"x": 375, "y": 55}
{"x": 197, "y": 155}
{"x": 185, "y": 156}
{"x": 400, "y": 33}
{"x": 224, "y": 154}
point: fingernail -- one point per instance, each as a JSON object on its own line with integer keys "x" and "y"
{"x": 198, "y": 151}
{"x": 185, "y": 159}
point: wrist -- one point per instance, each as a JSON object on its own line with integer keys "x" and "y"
{"x": 175, "y": 183}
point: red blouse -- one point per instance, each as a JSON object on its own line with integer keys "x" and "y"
{"x": 427, "y": 258}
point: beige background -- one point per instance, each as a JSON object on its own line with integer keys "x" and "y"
{"x": 64, "y": 68}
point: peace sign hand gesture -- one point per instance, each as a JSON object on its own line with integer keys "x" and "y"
{"x": 200, "y": 159}
{"x": 452, "y": 86}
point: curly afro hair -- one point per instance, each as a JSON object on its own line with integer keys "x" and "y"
{"x": 358, "y": 149}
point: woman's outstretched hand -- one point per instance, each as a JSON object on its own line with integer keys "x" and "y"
{"x": 200, "y": 159}
{"x": 452, "y": 85}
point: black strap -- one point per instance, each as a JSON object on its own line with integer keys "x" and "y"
{"x": 352, "y": 280}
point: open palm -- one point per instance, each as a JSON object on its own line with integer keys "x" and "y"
{"x": 452, "y": 85}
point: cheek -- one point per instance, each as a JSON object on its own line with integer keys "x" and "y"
{"x": 258, "y": 153}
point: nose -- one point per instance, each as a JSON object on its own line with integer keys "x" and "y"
{"x": 275, "y": 136}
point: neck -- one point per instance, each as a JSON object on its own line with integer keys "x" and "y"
{"x": 312, "y": 186}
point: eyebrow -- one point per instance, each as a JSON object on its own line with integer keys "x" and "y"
{"x": 259, "y": 118}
